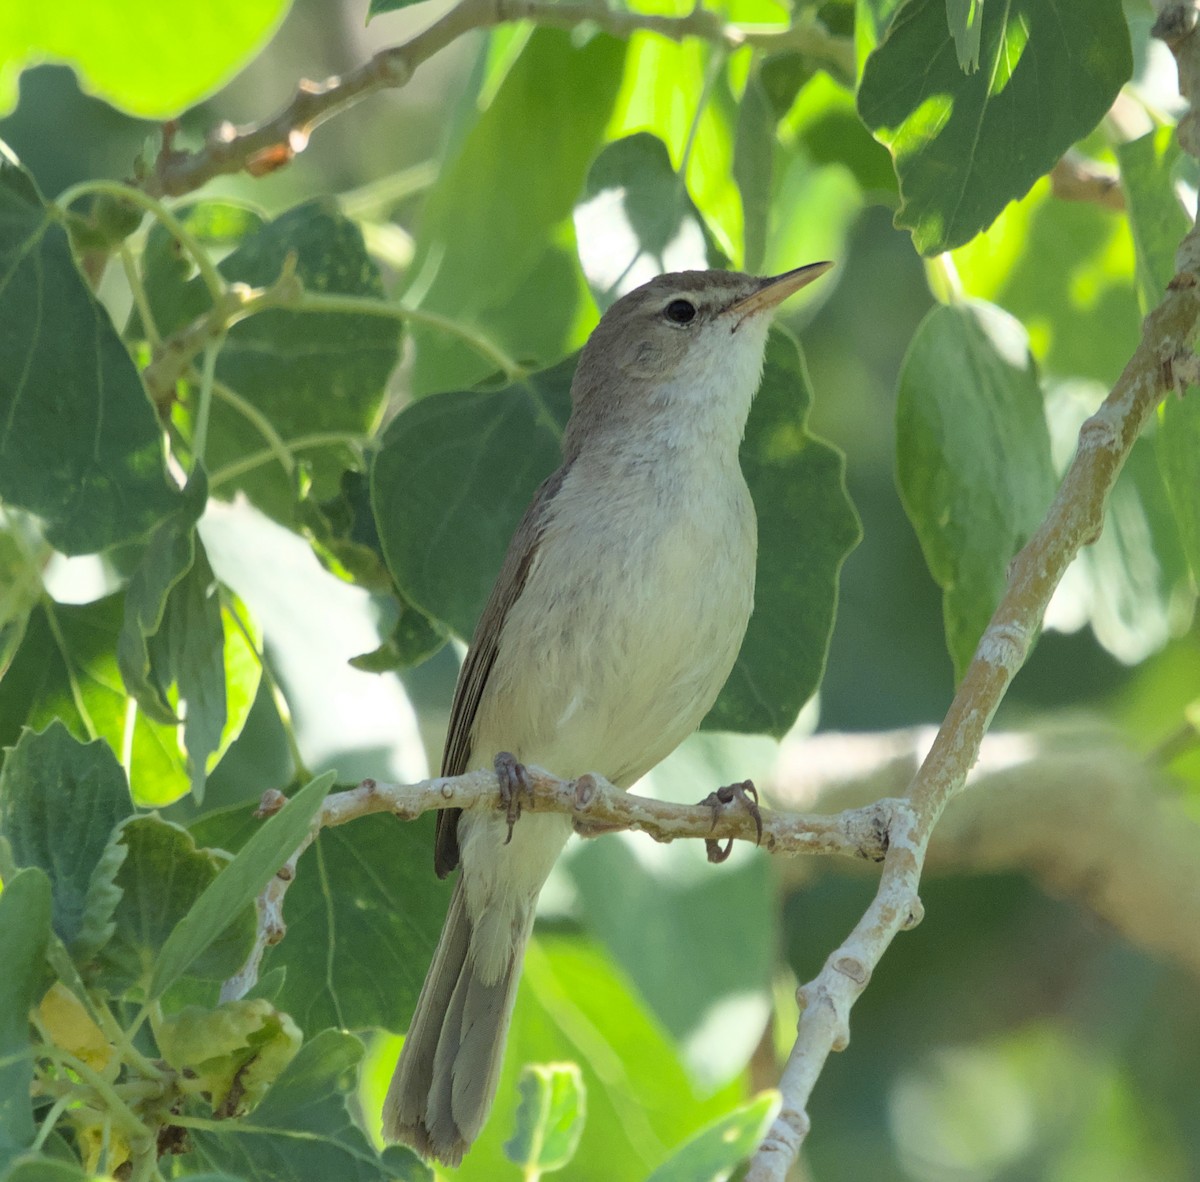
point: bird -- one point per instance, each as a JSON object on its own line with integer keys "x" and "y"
{"x": 614, "y": 622}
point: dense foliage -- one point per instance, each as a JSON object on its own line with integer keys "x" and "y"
{"x": 264, "y": 438}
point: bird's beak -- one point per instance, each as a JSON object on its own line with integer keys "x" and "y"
{"x": 774, "y": 291}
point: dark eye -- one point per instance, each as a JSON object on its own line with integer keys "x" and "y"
{"x": 680, "y": 311}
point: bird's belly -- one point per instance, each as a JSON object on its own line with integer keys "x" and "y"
{"x": 632, "y": 642}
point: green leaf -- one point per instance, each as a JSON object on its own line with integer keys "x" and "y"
{"x": 1178, "y": 447}
{"x": 168, "y": 272}
{"x": 713, "y": 1153}
{"x": 1131, "y": 583}
{"x": 79, "y": 442}
{"x": 965, "y": 18}
{"x": 1156, "y": 216}
{"x": 414, "y": 638}
{"x": 172, "y": 643}
{"x": 238, "y": 884}
{"x": 451, "y": 480}
{"x": 317, "y": 378}
{"x": 140, "y": 57}
{"x": 302, "y": 1130}
{"x": 550, "y": 1118}
{"x": 635, "y": 220}
{"x": 824, "y": 124}
{"x": 754, "y": 167}
{"x": 25, "y": 906}
{"x": 678, "y": 92}
{"x": 67, "y": 668}
{"x": 163, "y": 878}
{"x": 964, "y": 145}
{"x": 806, "y": 528}
{"x": 363, "y": 917}
{"x": 235, "y": 1052}
{"x": 496, "y": 251}
{"x": 60, "y": 801}
{"x": 973, "y": 458}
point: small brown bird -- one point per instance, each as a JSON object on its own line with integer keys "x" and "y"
{"x": 614, "y": 622}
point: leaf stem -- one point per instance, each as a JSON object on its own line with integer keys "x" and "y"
{"x": 275, "y": 442}
{"x": 152, "y": 205}
{"x": 312, "y": 301}
{"x": 237, "y": 468}
{"x": 204, "y": 401}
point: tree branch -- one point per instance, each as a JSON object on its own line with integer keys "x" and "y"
{"x": 595, "y": 805}
{"x": 1074, "y": 519}
{"x": 267, "y": 146}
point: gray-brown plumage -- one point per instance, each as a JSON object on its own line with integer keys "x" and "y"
{"x": 615, "y": 620}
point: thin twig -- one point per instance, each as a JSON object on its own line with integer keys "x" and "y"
{"x": 275, "y": 142}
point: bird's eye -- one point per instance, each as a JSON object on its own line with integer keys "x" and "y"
{"x": 680, "y": 311}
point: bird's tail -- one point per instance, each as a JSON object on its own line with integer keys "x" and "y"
{"x": 446, "y": 1078}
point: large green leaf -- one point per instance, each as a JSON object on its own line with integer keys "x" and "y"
{"x": 66, "y": 668}
{"x": 60, "y": 801}
{"x": 147, "y": 59}
{"x": 238, "y": 885}
{"x": 972, "y": 457}
{"x": 161, "y": 880}
{"x": 635, "y": 220}
{"x": 451, "y": 480}
{"x": 806, "y": 527}
{"x": 363, "y": 916}
{"x": 302, "y": 1130}
{"x": 24, "y": 929}
{"x": 496, "y": 250}
{"x": 314, "y": 376}
{"x": 677, "y": 92}
{"x": 79, "y": 442}
{"x": 965, "y": 145}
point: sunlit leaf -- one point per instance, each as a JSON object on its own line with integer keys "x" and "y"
{"x": 495, "y": 249}
{"x": 137, "y": 55}
{"x": 966, "y": 144}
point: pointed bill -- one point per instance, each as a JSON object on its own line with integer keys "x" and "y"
{"x": 775, "y": 290}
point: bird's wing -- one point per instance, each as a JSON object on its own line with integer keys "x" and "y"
{"x": 481, "y": 656}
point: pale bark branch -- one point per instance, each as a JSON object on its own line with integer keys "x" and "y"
{"x": 276, "y": 141}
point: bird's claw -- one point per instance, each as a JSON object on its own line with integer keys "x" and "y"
{"x": 748, "y": 795}
{"x": 514, "y": 784}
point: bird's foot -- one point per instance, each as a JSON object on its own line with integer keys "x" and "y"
{"x": 514, "y": 784}
{"x": 747, "y": 794}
